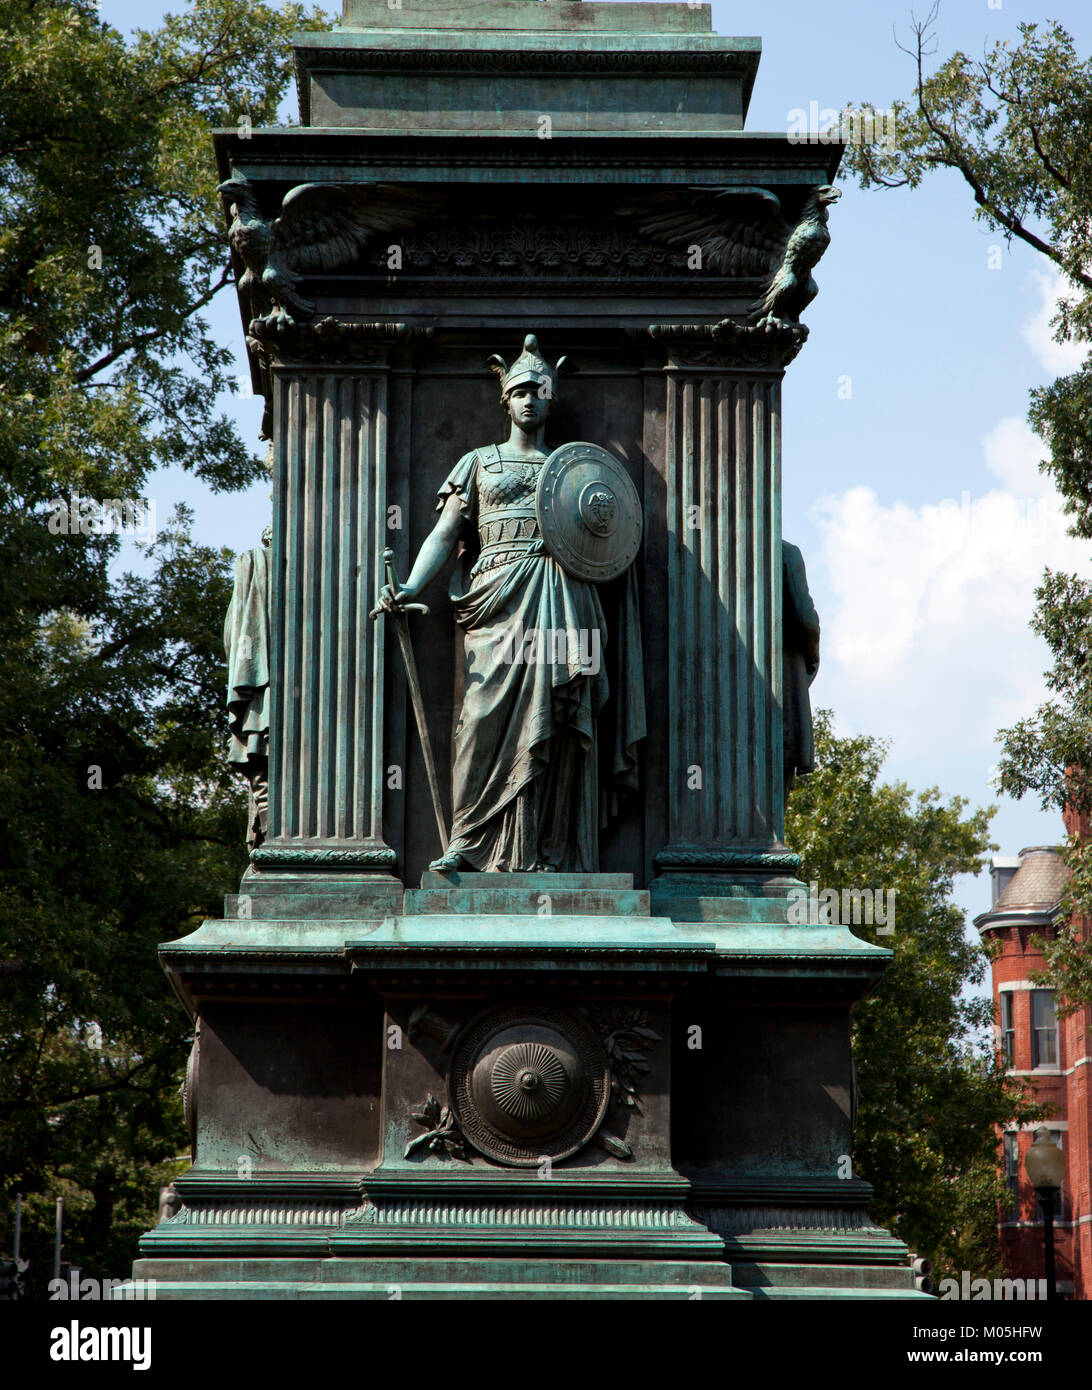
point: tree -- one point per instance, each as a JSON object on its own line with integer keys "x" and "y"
{"x": 121, "y": 823}
{"x": 932, "y": 1089}
{"x": 1012, "y": 125}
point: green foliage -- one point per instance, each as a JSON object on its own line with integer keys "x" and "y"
{"x": 108, "y": 372}
{"x": 121, "y": 825}
{"x": 1068, "y": 952}
{"x": 1014, "y": 126}
{"x": 1011, "y": 125}
{"x": 931, "y": 1090}
{"x": 1043, "y": 752}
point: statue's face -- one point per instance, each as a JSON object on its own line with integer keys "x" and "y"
{"x": 526, "y": 407}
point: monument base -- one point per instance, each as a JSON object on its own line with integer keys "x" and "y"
{"x": 518, "y": 1086}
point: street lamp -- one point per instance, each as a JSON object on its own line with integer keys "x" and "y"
{"x": 1044, "y": 1164}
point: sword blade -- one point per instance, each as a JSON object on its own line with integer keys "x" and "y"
{"x": 418, "y": 702}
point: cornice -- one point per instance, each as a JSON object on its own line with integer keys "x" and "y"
{"x": 526, "y": 59}
{"x": 1017, "y": 917}
{"x": 292, "y": 154}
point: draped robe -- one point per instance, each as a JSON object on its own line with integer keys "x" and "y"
{"x": 246, "y": 644}
{"x": 532, "y": 777}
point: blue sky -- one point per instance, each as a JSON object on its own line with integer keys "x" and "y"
{"x": 916, "y": 501}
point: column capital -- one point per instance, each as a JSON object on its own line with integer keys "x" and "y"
{"x": 346, "y": 342}
{"x": 728, "y": 346}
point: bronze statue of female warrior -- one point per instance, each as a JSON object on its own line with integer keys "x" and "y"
{"x": 532, "y": 774}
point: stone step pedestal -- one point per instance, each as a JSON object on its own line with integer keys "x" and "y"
{"x": 544, "y": 895}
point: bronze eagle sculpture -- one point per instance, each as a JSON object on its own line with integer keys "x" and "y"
{"x": 320, "y": 227}
{"x": 741, "y": 233}
{"x": 792, "y": 288}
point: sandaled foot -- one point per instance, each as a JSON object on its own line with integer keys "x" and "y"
{"x": 449, "y": 862}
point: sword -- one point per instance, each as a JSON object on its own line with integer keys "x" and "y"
{"x": 414, "y": 682}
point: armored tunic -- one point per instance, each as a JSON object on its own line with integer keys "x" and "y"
{"x": 526, "y": 765}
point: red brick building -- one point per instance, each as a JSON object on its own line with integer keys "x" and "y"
{"x": 1055, "y": 1055}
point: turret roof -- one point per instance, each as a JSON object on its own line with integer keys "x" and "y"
{"x": 1037, "y": 884}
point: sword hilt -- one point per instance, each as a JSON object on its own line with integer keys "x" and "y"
{"x": 392, "y": 581}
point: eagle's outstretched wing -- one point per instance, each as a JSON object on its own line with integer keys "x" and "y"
{"x": 320, "y": 227}
{"x": 323, "y": 226}
{"x": 740, "y": 230}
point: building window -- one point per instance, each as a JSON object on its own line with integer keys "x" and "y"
{"x": 1008, "y": 1030}
{"x": 1012, "y": 1172}
{"x": 1044, "y": 1029}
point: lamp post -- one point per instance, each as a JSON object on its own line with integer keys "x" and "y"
{"x": 1044, "y": 1164}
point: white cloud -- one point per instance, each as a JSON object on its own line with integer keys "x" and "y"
{"x": 1056, "y": 358}
{"x": 1013, "y": 451}
{"x": 925, "y": 609}
{"x": 898, "y": 572}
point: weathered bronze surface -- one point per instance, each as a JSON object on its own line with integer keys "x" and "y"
{"x": 800, "y": 644}
{"x": 588, "y": 512}
{"x": 526, "y": 758}
{"x": 529, "y": 1082}
{"x": 246, "y": 645}
{"x": 616, "y": 1069}
{"x": 792, "y": 288}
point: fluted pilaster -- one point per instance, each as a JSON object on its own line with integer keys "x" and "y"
{"x": 723, "y": 489}
{"x": 326, "y": 733}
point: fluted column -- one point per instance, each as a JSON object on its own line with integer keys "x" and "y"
{"x": 723, "y": 516}
{"x": 329, "y": 520}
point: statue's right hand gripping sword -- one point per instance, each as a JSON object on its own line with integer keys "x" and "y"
{"x": 398, "y": 611}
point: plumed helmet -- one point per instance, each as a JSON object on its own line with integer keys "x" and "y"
{"x": 529, "y": 366}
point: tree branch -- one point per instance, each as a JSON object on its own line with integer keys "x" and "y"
{"x": 171, "y": 830}
{"x": 1033, "y": 130}
{"x": 957, "y": 160}
{"x": 141, "y": 338}
{"x": 116, "y": 1083}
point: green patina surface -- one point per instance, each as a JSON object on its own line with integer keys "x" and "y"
{"x": 334, "y": 992}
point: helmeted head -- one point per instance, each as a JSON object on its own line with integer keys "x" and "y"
{"x": 529, "y": 368}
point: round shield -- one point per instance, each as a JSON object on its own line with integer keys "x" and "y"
{"x": 589, "y": 514}
{"x": 528, "y": 1081}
